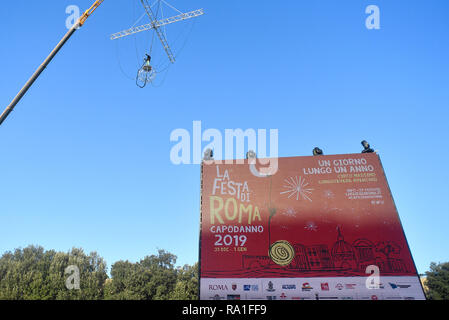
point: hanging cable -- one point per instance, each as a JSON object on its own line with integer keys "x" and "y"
{"x": 120, "y": 64}
{"x": 168, "y": 4}
{"x": 158, "y": 26}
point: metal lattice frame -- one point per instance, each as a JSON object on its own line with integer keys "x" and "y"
{"x": 160, "y": 23}
{"x": 160, "y": 35}
{"x": 156, "y": 24}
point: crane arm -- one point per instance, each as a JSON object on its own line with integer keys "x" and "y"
{"x": 88, "y": 12}
{"x": 47, "y": 61}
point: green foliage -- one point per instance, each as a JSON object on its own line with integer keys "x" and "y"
{"x": 35, "y": 274}
{"x": 186, "y": 287}
{"x": 153, "y": 278}
{"x": 437, "y": 282}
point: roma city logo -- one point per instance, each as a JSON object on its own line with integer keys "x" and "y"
{"x": 270, "y": 287}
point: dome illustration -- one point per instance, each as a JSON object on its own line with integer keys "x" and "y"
{"x": 343, "y": 253}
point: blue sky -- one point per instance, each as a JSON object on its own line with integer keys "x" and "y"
{"x": 85, "y": 155}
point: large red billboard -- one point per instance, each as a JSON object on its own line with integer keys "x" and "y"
{"x": 319, "y": 228}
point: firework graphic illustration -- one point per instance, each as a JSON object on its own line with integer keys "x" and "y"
{"x": 328, "y": 194}
{"x": 290, "y": 212}
{"x": 297, "y": 186}
{"x": 311, "y": 226}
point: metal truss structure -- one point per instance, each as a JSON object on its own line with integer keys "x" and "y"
{"x": 156, "y": 25}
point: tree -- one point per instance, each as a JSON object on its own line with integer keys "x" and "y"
{"x": 186, "y": 287}
{"x": 153, "y": 278}
{"x": 437, "y": 281}
{"x": 35, "y": 274}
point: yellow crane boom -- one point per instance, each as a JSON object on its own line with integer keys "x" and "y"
{"x": 47, "y": 61}
{"x": 88, "y": 12}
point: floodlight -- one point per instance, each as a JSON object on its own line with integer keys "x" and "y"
{"x": 366, "y": 147}
{"x": 317, "y": 152}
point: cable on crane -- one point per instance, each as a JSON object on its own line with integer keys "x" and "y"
{"x": 158, "y": 26}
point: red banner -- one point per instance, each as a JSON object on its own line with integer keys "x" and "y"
{"x": 324, "y": 216}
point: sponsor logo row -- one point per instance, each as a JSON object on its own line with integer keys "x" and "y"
{"x": 304, "y": 286}
{"x": 284, "y": 296}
